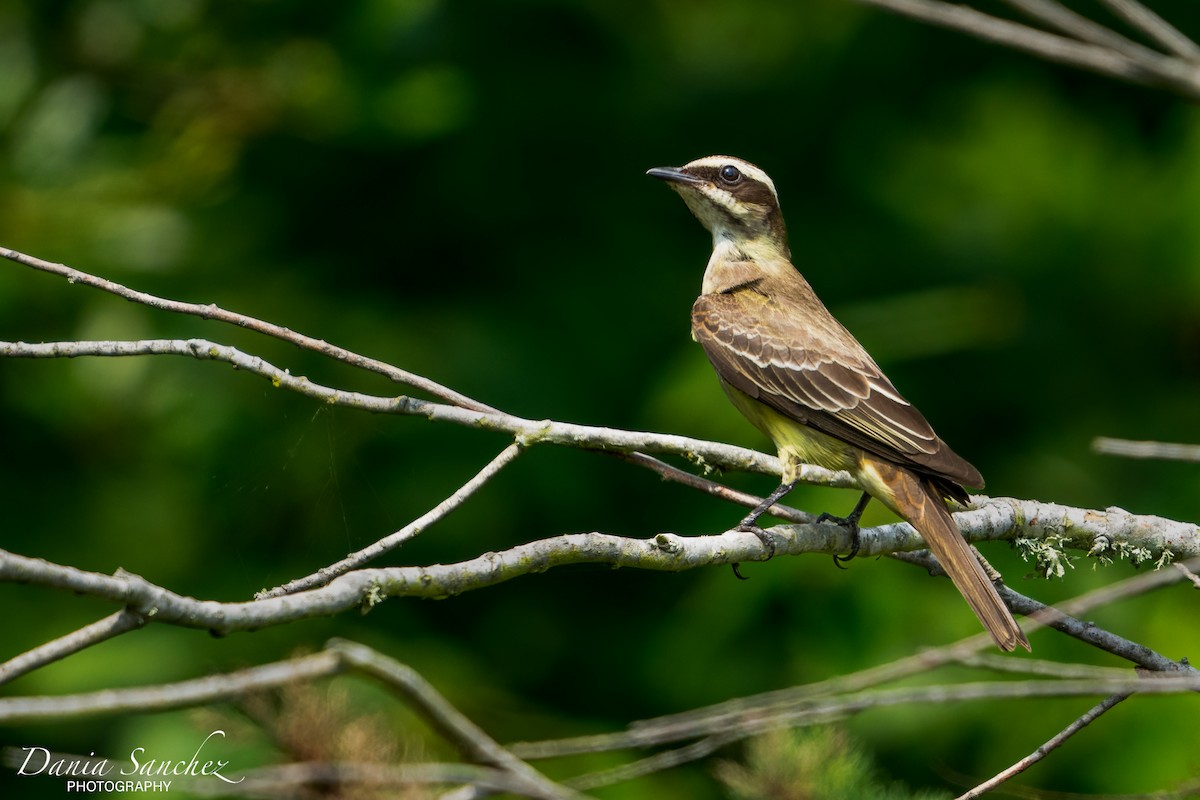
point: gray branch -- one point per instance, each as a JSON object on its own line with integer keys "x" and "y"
{"x": 1167, "y": 451}
{"x": 798, "y": 704}
{"x": 1003, "y": 518}
{"x": 213, "y": 312}
{"x": 526, "y": 432}
{"x": 470, "y": 740}
{"x": 1056, "y": 741}
{"x": 805, "y": 705}
{"x": 1079, "y": 43}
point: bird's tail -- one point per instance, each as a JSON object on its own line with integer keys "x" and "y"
{"x": 916, "y": 500}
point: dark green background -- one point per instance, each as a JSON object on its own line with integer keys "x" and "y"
{"x": 458, "y": 188}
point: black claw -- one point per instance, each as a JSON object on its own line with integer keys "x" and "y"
{"x": 748, "y": 524}
{"x": 850, "y": 523}
{"x": 839, "y": 560}
{"x": 763, "y": 537}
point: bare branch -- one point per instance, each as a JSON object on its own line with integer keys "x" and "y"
{"x": 1060, "y": 618}
{"x": 284, "y": 781}
{"x": 345, "y": 585}
{"x": 792, "y": 703}
{"x": 1045, "y": 749}
{"x": 1039, "y": 666}
{"x": 820, "y": 709}
{"x": 470, "y": 740}
{"x": 474, "y": 744}
{"x": 1186, "y": 571}
{"x": 655, "y": 763}
{"x": 1151, "y": 70}
{"x": 113, "y": 625}
{"x": 820, "y": 702}
{"x": 1155, "y": 27}
{"x": 1130, "y": 587}
{"x": 212, "y": 311}
{"x": 367, "y": 554}
{"x": 527, "y": 432}
{"x": 1128, "y": 448}
{"x": 1056, "y": 15}
{"x": 676, "y": 475}
{"x": 170, "y": 696}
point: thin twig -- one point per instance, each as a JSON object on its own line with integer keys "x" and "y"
{"x": 1160, "y": 71}
{"x": 113, "y": 625}
{"x": 1046, "y": 748}
{"x": 666, "y": 551}
{"x": 200, "y": 348}
{"x": 1187, "y": 572}
{"x": 470, "y": 740}
{"x": 781, "y": 703}
{"x": 1167, "y": 451}
{"x": 1038, "y": 666}
{"x": 820, "y": 709}
{"x": 169, "y": 696}
{"x": 1155, "y": 27}
{"x": 1058, "y": 16}
{"x": 367, "y": 554}
{"x": 658, "y": 762}
{"x": 527, "y": 432}
{"x": 212, "y": 311}
{"x": 285, "y": 780}
{"x": 672, "y": 473}
{"x": 339, "y": 656}
{"x": 479, "y": 748}
{"x": 1063, "y": 617}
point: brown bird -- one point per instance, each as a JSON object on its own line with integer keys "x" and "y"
{"x": 802, "y": 379}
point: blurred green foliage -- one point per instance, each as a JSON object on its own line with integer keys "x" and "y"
{"x": 457, "y": 188}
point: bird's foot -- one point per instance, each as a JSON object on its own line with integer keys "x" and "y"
{"x": 764, "y": 537}
{"x": 850, "y": 523}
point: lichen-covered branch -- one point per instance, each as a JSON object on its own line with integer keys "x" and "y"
{"x": 364, "y": 588}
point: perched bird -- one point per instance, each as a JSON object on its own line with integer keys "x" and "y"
{"x": 802, "y": 379}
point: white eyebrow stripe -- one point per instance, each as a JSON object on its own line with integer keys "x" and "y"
{"x": 747, "y": 169}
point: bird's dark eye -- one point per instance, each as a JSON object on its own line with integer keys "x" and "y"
{"x": 730, "y": 173}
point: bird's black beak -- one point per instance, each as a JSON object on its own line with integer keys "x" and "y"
{"x": 673, "y": 175}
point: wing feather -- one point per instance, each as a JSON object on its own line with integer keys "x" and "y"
{"x": 814, "y": 371}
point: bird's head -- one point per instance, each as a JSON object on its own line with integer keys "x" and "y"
{"x": 734, "y": 199}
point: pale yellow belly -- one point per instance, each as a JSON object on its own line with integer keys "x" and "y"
{"x": 797, "y": 444}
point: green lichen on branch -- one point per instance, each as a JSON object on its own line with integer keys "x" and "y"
{"x": 1106, "y": 551}
{"x": 707, "y": 469}
{"x": 1052, "y": 559}
{"x": 1048, "y": 553}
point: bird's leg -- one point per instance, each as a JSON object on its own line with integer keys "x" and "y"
{"x": 849, "y": 522}
{"x": 749, "y": 523}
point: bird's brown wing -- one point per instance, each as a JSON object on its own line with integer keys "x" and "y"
{"x": 797, "y": 359}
